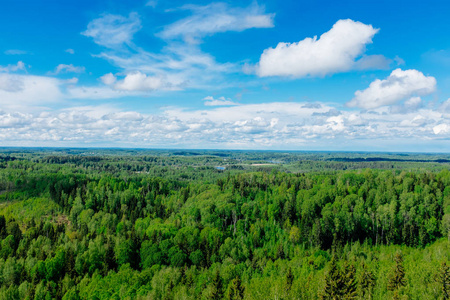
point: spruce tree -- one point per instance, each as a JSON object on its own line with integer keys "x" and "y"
{"x": 443, "y": 279}
{"x": 332, "y": 279}
{"x": 348, "y": 274}
{"x": 235, "y": 290}
{"x": 340, "y": 284}
{"x": 216, "y": 286}
{"x": 183, "y": 274}
{"x": 289, "y": 279}
{"x": 366, "y": 282}
{"x": 397, "y": 279}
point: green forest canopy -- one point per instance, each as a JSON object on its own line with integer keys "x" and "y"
{"x": 140, "y": 224}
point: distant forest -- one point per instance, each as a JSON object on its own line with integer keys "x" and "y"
{"x": 210, "y": 224}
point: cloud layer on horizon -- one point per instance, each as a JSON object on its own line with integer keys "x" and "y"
{"x": 277, "y": 125}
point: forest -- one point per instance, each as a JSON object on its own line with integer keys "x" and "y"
{"x": 207, "y": 224}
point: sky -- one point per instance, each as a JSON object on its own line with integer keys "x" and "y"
{"x": 267, "y": 75}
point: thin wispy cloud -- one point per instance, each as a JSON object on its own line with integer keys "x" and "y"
{"x": 63, "y": 68}
{"x": 221, "y": 101}
{"x": 214, "y": 18}
{"x": 15, "y": 52}
{"x": 113, "y": 31}
{"x": 20, "y": 66}
{"x": 181, "y": 63}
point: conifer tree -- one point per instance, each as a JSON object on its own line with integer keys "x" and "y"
{"x": 340, "y": 284}
{"x": 235, "y": 290}
{"x": 443, "y": 279}
{"x": 183, "y": 274}
{"x": 366, "y": 282}
{"x": 216, "y": 286}
{"x": 350, "y": 282}
{"x": 397, "y": 279}
{"x": 289, "y": 279}
{"x": 332, "y": 282}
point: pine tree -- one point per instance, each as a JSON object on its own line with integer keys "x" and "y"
{"x": 183, "y": 274}
{"x": 443, "y": 279}
{"x": 397, "y": 279}
{"x": 350, "y": 282}
{"x": 366, "y": 282}
{"x": 340, "y": 284}
{"x": 216, "y": 286}
{"x": 333, "y": 282}
{"x": 289, "y": 279}
{"x": 235, "y": 290}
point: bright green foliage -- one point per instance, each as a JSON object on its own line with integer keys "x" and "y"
{"x": 169, "y": 225}
{"x": 124, "y": 251}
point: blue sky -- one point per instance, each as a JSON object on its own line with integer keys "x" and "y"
{"x": 294, "y": 75}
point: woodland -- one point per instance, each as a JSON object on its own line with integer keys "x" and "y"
{"x": 206, "y": 224}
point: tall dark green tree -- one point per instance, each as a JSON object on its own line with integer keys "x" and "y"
{"x": 216, "y": 283}
{"x": 366, "y": 282}
{"x": 443, "y": 279}
{"x": 350, "y": 283}
{"x": 289, "y": 279}
{"x": 332, "y": 282}
{"x": 235, "y": 290}
{"x": 397, "y": 279}
{"x": 340, "y": 283}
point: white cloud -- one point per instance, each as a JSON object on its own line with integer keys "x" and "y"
{"x": 70, "y": 51}
{"x": 335, "y": 51}
{"x": 72, "y": 80}
{"x": 441, "y": 129}
{"x": 113, "y": 31}
{"x": 177, "y": 66}
{"x": 221, "y": 101}
{"x": 62, "y": 68}
{"x": 13, "y": 68}
{"x": 217, "y": 17}
{"x": 137, "y": 81}
{"x": 108, "y": 79}
{"x": 278, "y": 125}
{"x": 398, "y": 86}
{"x": 409, "y": 105}
{"x": 23, "y": 90}
{"x": 15, "y": 52}
{"x": 124, "y": 116}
